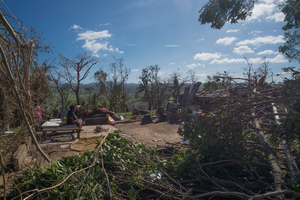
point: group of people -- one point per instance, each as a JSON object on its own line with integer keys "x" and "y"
{"x": 71, "y": 117}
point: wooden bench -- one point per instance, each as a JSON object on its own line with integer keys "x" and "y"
{"x": 61, "y": 128}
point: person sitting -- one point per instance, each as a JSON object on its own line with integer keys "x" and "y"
{"x": 71, "y": 117}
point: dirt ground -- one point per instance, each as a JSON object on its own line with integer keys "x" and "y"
{"x": 161, "y": 134}
{"x": 154, "y": 134}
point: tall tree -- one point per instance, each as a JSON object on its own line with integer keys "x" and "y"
{"x": 112, "y": 85}
{"x": 76, "y": 70}
{"x": 154, "y": 90}
{"x": 176, "y": 84}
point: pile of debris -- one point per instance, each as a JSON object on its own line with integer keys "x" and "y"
{"x": 100, "y": 116}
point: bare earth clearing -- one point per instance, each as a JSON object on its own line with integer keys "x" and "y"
{"x": 154, "y": 134}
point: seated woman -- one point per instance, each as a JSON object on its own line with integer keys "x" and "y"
{"x": 71, "y": 117}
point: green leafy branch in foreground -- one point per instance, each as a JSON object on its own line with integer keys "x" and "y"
{"x": 117, "y": 169}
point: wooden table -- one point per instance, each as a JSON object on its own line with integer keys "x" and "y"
{"x": 61, "y": 128}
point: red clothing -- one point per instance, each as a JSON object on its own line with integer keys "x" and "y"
{"x": 38, "y": 113}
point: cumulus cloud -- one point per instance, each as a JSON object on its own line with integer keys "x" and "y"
{"x": 263, "y": 40}
{"x": 76, "y": 27}
{"x": 93, "y": 35}
{"x": 192, "y": 66}
{"x": 277, "y": 17}
{"x": 172, "y": 63}
{"x": 255, "y": 60}
{"x": 226, "y": 41}
{"x": 171, "y": 45}
{"x": 134, "y": 70}
{"x": 277, "y": 59}
{"x": 232, "y": 31}
{"x": 207, "y": 56}
{"x": 242, "y": 50}
{"x": 97, "y": 40}
{"x": 261, "y": 10}
{"x": 267, "y": 52}
{"x": 227, "y": 60}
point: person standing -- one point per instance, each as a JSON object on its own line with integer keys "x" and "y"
{"x": 38, "y": 114}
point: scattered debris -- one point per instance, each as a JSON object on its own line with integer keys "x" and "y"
{"x": 146, "y": 120}
{"x": 65, "y": 146}
{"x": 54, "y": 140}
{"x": 156, "y": 176}
{"x": 186, "y": 142}
{"x": 135, "y": 111}
{"x": 99, "y": 129}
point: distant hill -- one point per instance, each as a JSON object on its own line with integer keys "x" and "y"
{"x": 130, "y": 87}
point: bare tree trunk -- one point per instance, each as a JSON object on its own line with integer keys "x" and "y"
{"x": 269, "y": 152}
{"x": 293, "y": 168}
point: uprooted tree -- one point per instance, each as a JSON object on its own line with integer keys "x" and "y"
{"x": 241, "y": 144}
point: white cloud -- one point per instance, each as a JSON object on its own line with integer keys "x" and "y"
{"x": 242, "y": 50}
{"x": 255, "y": 60}
{"x": 97, "y": 40}
{"x": 226, "y": 41}
{"x": 255, "y": 32}
{"x": 261, "y": 10}
{"x": 202, "y": 75}
{"x": 207, "y": 56}
{"x": 106, "y": 24}
{"x": 75, "y": 27}
{"x": 171, "y": 45}
{"x": 134, "y": 70}
{"x": 172, "y": 63}
{"x": 93, "y": 35}
{"x": 226, "y": 61}
{"x": 192, "y": 66}
{"x": 267, "y": 52}
{"x": 263, "y": 40}
{"x": 277, "y": 59}
{"x": 277, "y": 17}
{"x": 232, "y": 31}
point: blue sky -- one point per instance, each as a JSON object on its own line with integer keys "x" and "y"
{"x": 156, "y": 32}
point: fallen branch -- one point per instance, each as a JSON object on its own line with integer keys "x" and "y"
{"x": 244, "y": 196}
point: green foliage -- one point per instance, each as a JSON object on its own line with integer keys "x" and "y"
{"x": 151, "y": 88}
{"x": 218, "y": 12}
{"x": 124, "y": 163}
{"x": 291, "y": 9}
{"x": 214, "y": 138}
